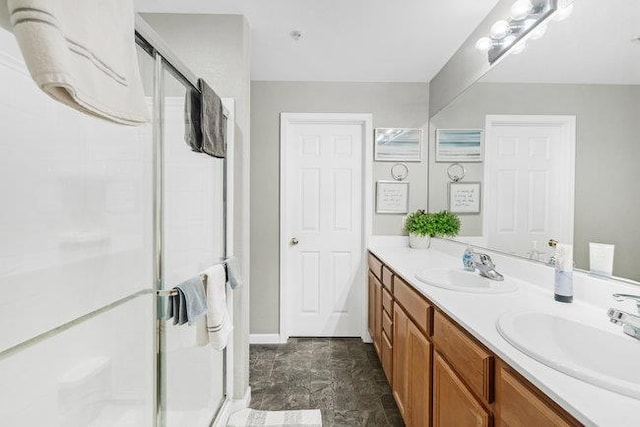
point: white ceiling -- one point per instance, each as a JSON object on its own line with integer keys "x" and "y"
{"x": 345, "y": 40}
{"x": 593, "y": 45}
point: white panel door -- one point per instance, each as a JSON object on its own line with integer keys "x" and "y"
{"x": 529, "y": 182}
{"x": 323, "y": 229}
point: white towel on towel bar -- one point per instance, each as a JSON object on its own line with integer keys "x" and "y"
{"x": 218, "y": 321}
{"x": 83, "y": 54}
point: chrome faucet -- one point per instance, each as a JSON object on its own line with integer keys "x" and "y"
{"x": 630, "y": 322}
{"x": 624, "y": 297}
{"x": 486, "y": 267}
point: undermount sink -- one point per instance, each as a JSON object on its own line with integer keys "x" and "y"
{"x": 597, "y": 356}
{"x": 465, "y": 281}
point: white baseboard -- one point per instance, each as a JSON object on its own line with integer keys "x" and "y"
{"x": 266, "y": 339}
{"x": 366, "y": 338}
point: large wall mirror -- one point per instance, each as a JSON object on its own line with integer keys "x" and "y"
{"x": 561, "y": 146}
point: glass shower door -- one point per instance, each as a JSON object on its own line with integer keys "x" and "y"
{"x": 192, "y": 384}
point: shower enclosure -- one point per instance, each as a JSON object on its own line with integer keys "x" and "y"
{"x": 96, "y": 218}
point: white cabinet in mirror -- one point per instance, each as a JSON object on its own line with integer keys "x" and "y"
{"x": 562, "y": 141}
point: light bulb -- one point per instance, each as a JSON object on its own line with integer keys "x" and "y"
{"x": 484, "y": 44}
{"x": 520, "y": 9}
{"x": 562, "y": 14}
{"x": 538, "y": 32}
{"x": 500, "y": 29}
{"x": 518, "y": 48}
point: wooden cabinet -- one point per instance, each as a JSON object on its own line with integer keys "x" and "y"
{"x": 522, "y": 406}
{"x": 386, "y": 357}
{"x": 453, "y": 403}
{"x": 414, "y": 304}
{"x": 371, "y": 323}
{"x": 411, "y": 370}
{"x": 377, "y": 316}
{"x": 440, "y": 374}
{"x": 471, "y": 361}
{"x": 400, "y": 385}
{"x": 419, "y": 377}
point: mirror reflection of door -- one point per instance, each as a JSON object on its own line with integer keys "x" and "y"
{"x": 529, "y": 182}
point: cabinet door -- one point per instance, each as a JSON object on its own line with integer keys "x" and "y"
{"x": 400, "y": 366}
{"x": 419, "y": 378}
{"x": 372, "y": 304}
{"x": 387, "y": 357}
{"x": 377, "y": 317}
{"x": 520, "y": 407}
{"x": 453, "y": 403}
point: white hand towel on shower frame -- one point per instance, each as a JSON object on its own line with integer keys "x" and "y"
{"x": 218, "y": 320}
{"x": 83, "y": 54}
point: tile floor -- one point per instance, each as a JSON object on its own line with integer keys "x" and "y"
{"x": 341, "y": 376}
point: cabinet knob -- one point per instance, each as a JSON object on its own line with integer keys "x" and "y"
{"x": 294, "y": 241}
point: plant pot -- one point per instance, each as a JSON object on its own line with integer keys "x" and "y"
{"x": 416, "y": 241}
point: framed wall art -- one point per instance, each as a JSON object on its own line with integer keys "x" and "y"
{"x": 464, "y": 197}
{"x": 392, "y": 197}
{"x": 459, "y": 145}
{"x": 398, "y": 145}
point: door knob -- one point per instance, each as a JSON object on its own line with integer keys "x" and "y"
{"x": 294, "y": 241}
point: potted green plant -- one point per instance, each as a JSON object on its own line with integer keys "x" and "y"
{"x": 422, "y": 225}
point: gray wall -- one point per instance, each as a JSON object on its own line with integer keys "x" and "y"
{"x": 392, "y": 105}
{"x": 216, "y": 47}
{"x": 607, "y": 197}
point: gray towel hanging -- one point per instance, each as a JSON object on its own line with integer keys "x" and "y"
{"x": 214, "y": 124}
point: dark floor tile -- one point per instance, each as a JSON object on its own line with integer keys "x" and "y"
{"x": 395, "y": 420}
{"x": 321, "y": 395}
{"x": 321, "y": 375}
{"x": 377, "y": 417}
{"x": 388, "y": 402}
{"x": 274, "y": 402}
{"x": 342, "y": 377}
{"x": 297, "y": 401}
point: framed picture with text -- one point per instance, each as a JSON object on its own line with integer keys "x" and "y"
{"x": 392, "y": 197}
{"x": 464, "y": 197}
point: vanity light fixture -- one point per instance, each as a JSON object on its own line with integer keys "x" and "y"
{"x": 520, "y": 9}
{"x": 500, "y": 29}
{"x": 527, "y": 19}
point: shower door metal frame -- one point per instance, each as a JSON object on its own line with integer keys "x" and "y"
{"x": 166, "y": 60}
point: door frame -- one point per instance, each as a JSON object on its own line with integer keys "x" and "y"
{"x": 366, "y": 121}
{"x": 568, "y": 125}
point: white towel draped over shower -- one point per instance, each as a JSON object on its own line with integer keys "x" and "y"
{"x": 82, "y": 53}
{"x": 216, "y": 326}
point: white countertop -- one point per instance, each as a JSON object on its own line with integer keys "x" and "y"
{"x": 478, "y": 314}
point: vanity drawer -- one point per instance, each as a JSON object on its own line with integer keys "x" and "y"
{"x": 387, "y": 278}
{"x": 413, "y": 303}
{"x": 387, "y": 325}
{"x": 375, "y": 266}
{"x": 387, "y": 301}
{"x": 470, "y": 360}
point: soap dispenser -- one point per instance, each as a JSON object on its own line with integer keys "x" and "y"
{"x": 563, "y": 287}
{"x": 467, "y": 259}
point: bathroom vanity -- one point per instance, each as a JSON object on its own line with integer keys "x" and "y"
{"x": 447, "y": 363}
